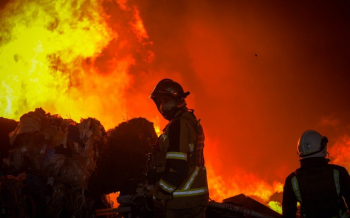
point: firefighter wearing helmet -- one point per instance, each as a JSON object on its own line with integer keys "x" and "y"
{"x": 322, "y": 189}
{"x": 181, "y": 189}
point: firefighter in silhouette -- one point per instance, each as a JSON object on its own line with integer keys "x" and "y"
{"x": 322, "y": 189}
{"x": 181, "y": 189}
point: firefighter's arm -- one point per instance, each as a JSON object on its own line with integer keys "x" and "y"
{"x": 176, "y": 160}
{"x": 289, "y": 201}
{"x": 344, "y": 180}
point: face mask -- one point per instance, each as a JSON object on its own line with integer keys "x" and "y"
{"x": 168, "y": 110}
{"x": 167, "y": 106}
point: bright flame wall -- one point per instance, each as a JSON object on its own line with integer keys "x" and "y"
{"x": 69, "y": 58}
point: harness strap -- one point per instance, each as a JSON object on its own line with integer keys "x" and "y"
{"x": 199, "y": 143}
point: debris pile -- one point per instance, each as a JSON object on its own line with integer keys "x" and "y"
{"x": 60, "y": 168}
{"x": 6, "y": 126}
{"x": 60, "y": 149}
{"x": 59, "y": 153}
{"x": 124, "y": 163}
{"x": 12, "y": 200}
{"x": 66, "y": 169}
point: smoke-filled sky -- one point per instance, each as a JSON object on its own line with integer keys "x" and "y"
{"x": 260, "y": 73}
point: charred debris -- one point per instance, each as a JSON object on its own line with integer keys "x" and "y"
{"x": 55, "y": 167}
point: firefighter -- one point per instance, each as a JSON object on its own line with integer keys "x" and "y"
{"x": 322, "y": 189}
{"x": 181, "y": 189}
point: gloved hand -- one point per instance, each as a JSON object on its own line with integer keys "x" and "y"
{"x": 159, "y": 207}
{"x": 160, "y": 199}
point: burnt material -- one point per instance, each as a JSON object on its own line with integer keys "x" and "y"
{"x": 122, "y": 163}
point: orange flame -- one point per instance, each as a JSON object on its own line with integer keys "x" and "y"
{"x": 112, "y": 198}
{"x": 70, "y": 58}
{"x": 339, "y": 152}
{"x": 50, "y": 56}
{"x": 241, "y": 182}
{"x": 276, "y": 206}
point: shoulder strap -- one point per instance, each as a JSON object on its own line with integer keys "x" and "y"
{"x": 172, "y": 121}
{"x": 198, "y": 159}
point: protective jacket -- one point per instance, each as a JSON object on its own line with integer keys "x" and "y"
{"x": 180, "y": 163}
{"x": 319, "y": 187}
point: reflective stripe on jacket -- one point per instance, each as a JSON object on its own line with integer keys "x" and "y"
{"x": 181, "y": 175}
{"x": 317, "y": 183}
{"x": 298, "y": 195}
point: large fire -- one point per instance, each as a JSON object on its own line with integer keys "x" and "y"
{"x": 74, "y": 58}
{"x": 242, "y": 182}
{"x": 67, "y": 58}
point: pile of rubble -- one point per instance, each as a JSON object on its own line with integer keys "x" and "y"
{"x": 13, "y": 200}
{"x": 55, "y": 167}
{"x": 58, "y": 157}
{"x": 123, "y": 164}
{"x": 6, "y": 126}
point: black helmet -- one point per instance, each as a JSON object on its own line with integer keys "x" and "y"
{"x": 174, "y": 92}
{"x": 170, "y": 88}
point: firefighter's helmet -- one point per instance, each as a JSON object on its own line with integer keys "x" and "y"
{"x": 312, "y": 144}
{"x": 168, "y": 96}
